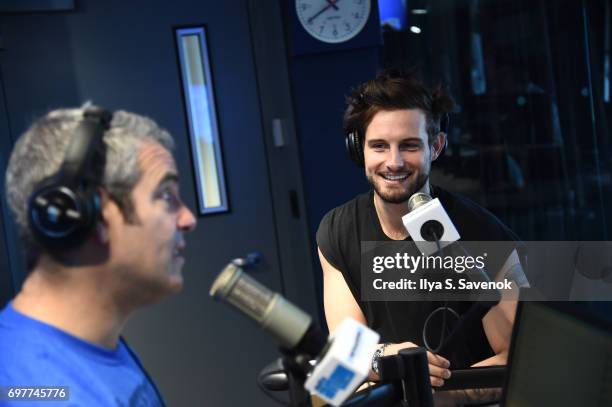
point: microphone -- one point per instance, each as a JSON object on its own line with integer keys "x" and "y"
{"x": 342, "y": 363}
{"x": 288, "y": 324}
{"x": 345, "y": 363}
{"x": 428, "y": 224}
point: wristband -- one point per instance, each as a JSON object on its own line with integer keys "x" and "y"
{"x": 378, "y": 353}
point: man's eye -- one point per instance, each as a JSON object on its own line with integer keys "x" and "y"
{"x": 169, "y": 197}
{"x": 378, "y": 146}
{"x": 410, "y": 147}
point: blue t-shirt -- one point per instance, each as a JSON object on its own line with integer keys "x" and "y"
{"x": 33, "y": 353}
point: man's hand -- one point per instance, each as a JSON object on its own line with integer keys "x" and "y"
{"x": 438, "y": 366}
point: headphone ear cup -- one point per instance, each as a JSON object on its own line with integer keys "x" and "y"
{"x": 61, "y": 218}
{"x": 64, "y": 208}
{"x": 445, "y": 123}
{"x": 444, "y": 128}
{"x": 354, "y": 148}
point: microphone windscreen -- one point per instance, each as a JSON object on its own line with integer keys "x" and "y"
{"x": 416, "y": 373}
{"x": 243, "y": 292}
{"x": 270, "y": 310}
{"x": 417, "y": 200}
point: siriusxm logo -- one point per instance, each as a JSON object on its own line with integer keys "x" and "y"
{"x": 340, "y": 378}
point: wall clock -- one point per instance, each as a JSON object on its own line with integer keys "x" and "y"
{"x": 333, "y": 21}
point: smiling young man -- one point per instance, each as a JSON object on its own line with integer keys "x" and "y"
{"x": 62, "y": 330}
{"x": 394, "y": 122}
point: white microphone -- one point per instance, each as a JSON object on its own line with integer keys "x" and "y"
{"x": 342, "y": 362}
{"x": 428, "y": 224}
{"x": 345, "y": 364}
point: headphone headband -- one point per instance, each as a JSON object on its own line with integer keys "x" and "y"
{"x": 87, "y": 137}
{"x": 64, "y": 208}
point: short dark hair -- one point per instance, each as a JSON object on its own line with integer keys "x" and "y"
{"x": 396, "y": 89}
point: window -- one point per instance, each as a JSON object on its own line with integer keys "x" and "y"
{"x": 202, "y": 118}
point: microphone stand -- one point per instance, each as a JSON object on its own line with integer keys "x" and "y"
{"x": 285, "y": 374}
{"x": 295, "y": 367}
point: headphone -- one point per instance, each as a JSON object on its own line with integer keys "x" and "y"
{"x": 354, "y": 141}
{"x": 64, "y": 207}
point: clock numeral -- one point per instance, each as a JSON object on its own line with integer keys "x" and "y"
{"x": 305, "y": 6}
{"x": 335, "y": 32}
{"x": 356, "y": 15}
{"x": 347, "y": 26}
{"x": 358, "y": 1}
{"x": 321, "y": 29}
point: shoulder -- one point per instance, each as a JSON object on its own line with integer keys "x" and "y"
{"x": 473, "y": 221}
{"x": 338, "y": 236}
{"x": 343, "y": 216}
{"x": 17, "y": 340}
{"x": 26, "y": 357}
{"x": 32, "y": 352}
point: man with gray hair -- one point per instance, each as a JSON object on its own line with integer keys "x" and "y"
{"x": 96, "y": 200}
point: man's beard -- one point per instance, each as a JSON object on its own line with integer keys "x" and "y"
{"x": 398, "y": 197}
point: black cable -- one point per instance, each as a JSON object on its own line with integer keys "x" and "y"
{"x": 444, "y": 308}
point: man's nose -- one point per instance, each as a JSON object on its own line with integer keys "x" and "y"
{"x": 186, "y": 220}
{"x": 395, "y": 161}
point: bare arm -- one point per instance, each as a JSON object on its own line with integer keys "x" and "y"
{"x": 339, "y": 303}
{"x": 497, "y": 325}
{"x": 498, "y": 322}
{"x": 338, "y": 300}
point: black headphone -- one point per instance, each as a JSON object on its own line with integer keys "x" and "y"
{"x": 64, "y": 208}
{"x": 354, "y": 141}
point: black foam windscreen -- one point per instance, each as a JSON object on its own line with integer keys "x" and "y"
{"x": 411, "y": 367}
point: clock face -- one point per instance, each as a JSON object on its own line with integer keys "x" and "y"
{"x": 333, "y": 21}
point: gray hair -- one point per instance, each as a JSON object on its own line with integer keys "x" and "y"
{"x": 40, "y": 151}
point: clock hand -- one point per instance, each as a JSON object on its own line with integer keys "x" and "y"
{"x": 331, "y": 3}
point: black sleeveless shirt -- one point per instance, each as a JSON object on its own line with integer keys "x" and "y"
{"x": 339, "y": 238}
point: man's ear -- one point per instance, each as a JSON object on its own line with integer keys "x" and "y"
{"x": 108, "y": 209}
{"x": 102, "y": 232}
{"x": 438, "y": 145}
